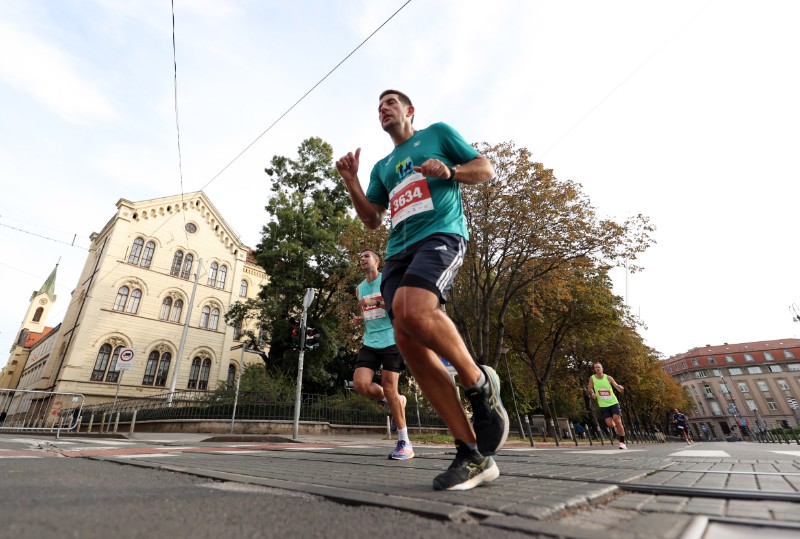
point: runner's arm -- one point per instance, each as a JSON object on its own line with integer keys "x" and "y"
{"x": 618, "y": 387}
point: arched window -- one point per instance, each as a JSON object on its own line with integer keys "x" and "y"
{"x": 237, "y": 330}
{"x": 166, "y": 307}
{"x": 214, "y": 319}
{"x": 243, "y": 288}
{"x": 194, "y": 373}
{"x": 187, "y": 266}
{"x": 133, "y": 303}
{"x": 212, "y": 274}
{"x": 204, "y": 314}
{"x": 136, "y": 251}
{"x": 157, "y": 369}
{"x": 147, "y": 255}
{"x": 101, "y": 364}
{"x": 38, "y": 314}
{"x": 177, "y": 310}
{"x": 223, "y": 273}
{"x": 122, "y": 298}
{"x": 231, "y": 376}
{"x": 204, "y": 372}
{"x": 177, "y": 262}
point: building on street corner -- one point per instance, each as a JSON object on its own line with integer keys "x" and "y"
{"x": 740, "y": 388}
{"x": 137, "y": 292}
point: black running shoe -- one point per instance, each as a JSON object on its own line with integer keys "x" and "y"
{"x": 468, "y": 470}
{"x": 489, "y": 417}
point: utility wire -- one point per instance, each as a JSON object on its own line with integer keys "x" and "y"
{"x": 44, "y": 237}
{"x": 305, "y": 95}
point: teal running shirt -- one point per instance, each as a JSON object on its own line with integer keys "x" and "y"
{"x": 378, "y": 332}
{"x": 420, "y": 206}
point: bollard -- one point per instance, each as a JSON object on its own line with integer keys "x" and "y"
{"x": 91, "y": 423}
{"x": 103, "y": 423}
{"x": 133, "y": 421}
{"x": 530, "y": 430}
{"x": 116, "y": 422}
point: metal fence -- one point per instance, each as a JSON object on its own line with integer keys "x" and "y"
{"x": 348, "y": 409}
{"x": 39, "y": 411}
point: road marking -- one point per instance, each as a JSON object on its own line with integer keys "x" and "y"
{"x": 792, "y": 453}
{"x": 146, "y": 455}
{"x": 609, "y": 451}
{"x": 699, "y": 453}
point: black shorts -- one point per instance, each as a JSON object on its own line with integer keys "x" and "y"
{"x": 388, "y": 358}
{"x": 610, "y": 411}
{"x": 431, "y": 264}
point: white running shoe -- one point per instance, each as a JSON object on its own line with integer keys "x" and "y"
{"x": 622, "y": 446}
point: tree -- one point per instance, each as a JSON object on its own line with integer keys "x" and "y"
{"x": 300, "y": 248}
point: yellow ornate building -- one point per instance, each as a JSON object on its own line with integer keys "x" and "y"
{"x": 155, "y": 287}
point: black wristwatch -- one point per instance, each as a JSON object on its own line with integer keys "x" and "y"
{"x": 452, "y": 170}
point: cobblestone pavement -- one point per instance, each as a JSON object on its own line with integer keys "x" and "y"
{"x": 651, "y": 490}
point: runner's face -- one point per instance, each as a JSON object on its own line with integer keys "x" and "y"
{"x": 392, "y": 111}
{"x": 598, "y": 369}
{"x": 368, "y": 261}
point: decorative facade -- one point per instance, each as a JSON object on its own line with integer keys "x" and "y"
{"x": 147, "y": 315}
{"x": 738, "y": 388}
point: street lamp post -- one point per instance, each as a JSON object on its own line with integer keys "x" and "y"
{"x": 504, "y": 350}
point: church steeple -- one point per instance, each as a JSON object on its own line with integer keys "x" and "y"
{"x": 49, "y": 286}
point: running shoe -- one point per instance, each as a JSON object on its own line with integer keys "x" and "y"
{"x": 468, "y": 470}
{"x": 489, "y": 417}
{"x": 403, "y": 451}
{"x": 622, "y": 446}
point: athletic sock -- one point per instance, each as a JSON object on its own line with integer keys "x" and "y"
{"x": 402, "y": 434}
{"x": 473, "y": 446}
{"x": 622, "y": 439}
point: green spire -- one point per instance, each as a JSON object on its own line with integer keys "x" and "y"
{"x": 49, "y": 286}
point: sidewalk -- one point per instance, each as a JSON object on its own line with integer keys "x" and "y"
{"x": 705, "y": 490}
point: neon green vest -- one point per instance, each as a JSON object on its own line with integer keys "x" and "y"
{"x": 604, "y": 391}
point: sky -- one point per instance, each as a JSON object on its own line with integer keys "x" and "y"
{"x": 684, "y": 111}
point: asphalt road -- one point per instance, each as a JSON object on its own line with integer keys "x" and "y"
{"x": 199, "y": 486}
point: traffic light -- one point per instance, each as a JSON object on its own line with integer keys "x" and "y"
{"x": 312, "y": 338}
{"x": 294, "y": 333}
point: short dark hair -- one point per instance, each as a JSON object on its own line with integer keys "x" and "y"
{"x": 404, "y": 99}
{"x": 373, "y": 251}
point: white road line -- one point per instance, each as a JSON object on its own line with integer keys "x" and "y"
{"x": 792, "y": 453}
{"x": 699, "y": 453}
{"x": 144, "y": 456}
{"x": 608, "y": 451}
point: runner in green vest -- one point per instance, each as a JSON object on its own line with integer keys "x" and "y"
{"x": 600, "y": 388}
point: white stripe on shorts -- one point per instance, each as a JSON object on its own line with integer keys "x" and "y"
{"x": 449, "y": 274}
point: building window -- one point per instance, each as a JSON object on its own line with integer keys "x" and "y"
{"x": 38, "y": 314}
{"x": 105, "y": 365}
{"x": 754, "y": 370}
{"x": 734, "y": 371}
{"x": 729, "y": 359}
{"x": 166, "y": 307}
{"x": 683, "y": 364}
{"x": 695, "y": 363}
{"x": 788, "y": 354}
{"x": 223, "y": 273}
{"x": 136, "y": 251}
{"x": 793, "y": 366}
{"x": 772, "y": 405}
{"x": 122, "y": 298}
{"x": 133, "y": 302}
{"x": 204, "y": 314}
{"x": 782, "y": 384}
{"x": 775, "y": 368}
{"x": 670, "y": 369}
{"x": 204, "y": 372}
{"x": 707, "y": 390}
{"x": 749, "y": 358}
{"x": 751, "y": 404}
{"x": 237, "y": 331}
{"x": 768, "y": 356}
{"x": 177, "y": 309}
{"x": 712, "y": 361}
{"x": 157, "y": 368}
{"x": 700, "y": 374}
{"x": 194, "y": 373}
{"x": 147, "y": 255}
{"x": 724, "y": 388}
{"x": 231, "y": 376}
{"x": 212, "y": 274}
{"x": 743, "y": 387}
{"x": 717, "y": 372}
{"x": 213, "y": 320}
{"x": 762, "y": 385}
{"x": 187, "y": 266}
{"x": 243, "y": 288}
{"x": 715, "y": 409}
{"x": 177, "y": 262}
